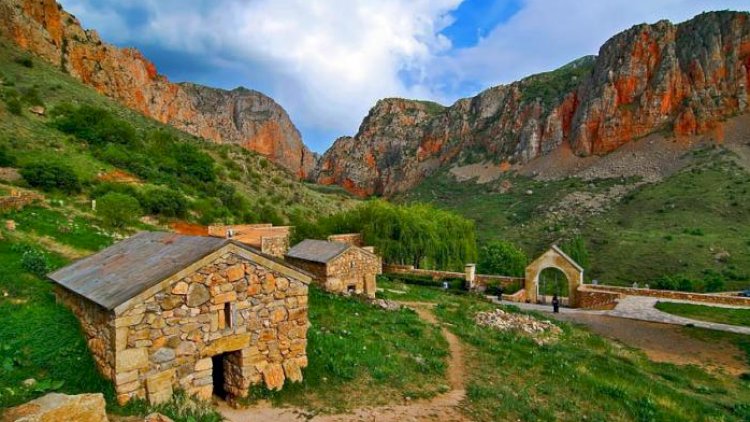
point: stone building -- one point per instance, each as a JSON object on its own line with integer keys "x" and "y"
{"x": 337, "y": 267}
{"x": 163, "y": 311}
{"x": 269, "y": 239}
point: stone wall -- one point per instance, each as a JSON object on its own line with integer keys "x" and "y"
{"x": 354, "y": 269}
{"x": 255, "y": 315}
{"x": 98, "y": 326}
{"x": 354, "y": 239}
{"x": 481, "y": 281}
{"x": 17, "y": 200}
{"x": 275, "y": 245}
{"x": 669, "y": 294}
{"x": 592, "y": 299}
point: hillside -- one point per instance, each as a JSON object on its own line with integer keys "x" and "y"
{"x": 241, "y": 116}
{"x": 640, "y": 218}
{"x": 677, "y": 79}
{"x": 219, "y": 182}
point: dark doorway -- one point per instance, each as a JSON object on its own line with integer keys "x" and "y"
{"x": 218, "y": 376}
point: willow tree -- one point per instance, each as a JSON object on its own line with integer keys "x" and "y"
{"x": 418, "y": 234}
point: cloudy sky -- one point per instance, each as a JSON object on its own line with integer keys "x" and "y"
{"x": 328, "y": 61}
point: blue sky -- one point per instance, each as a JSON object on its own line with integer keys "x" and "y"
{"x": 328, "y": 61}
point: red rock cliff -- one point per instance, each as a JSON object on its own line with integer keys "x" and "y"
{"x": 240, "y": 116}
{"x": 684, "y": 79}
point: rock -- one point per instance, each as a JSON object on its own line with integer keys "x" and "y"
{"x": 164, "y": 354}
{"x": 181, "y": 288}
{"x": 60, "y": 407}
{"x": 197, "y": 295}
{"x": 38, "y": 110}
{"x": 29, "y": 382}
{"x": 235, "y": 272}
{"x": 722, "y": 256}
{"x": 273, "y": 376}
{"x": 688, "y": 77}
{"x": 10, "y": 225}
{"x": 157, "y": 417}
{"x": 543, "y": 332}
{"x": 529, "y": 192}
{"x": 240, "y": 116}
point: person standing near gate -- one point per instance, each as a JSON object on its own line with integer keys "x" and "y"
{"x": 500, "y": 293}
{"x": 555, "y": 304}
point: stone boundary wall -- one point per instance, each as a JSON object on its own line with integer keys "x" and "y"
{"x": 274, "y": 245}
{"x": 480, "y": 280}
{"x": 669, "y": 294}
{"x": 18, "y": 200}
{"x": 591, "y": 299}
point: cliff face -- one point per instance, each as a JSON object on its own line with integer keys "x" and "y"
{"x": 684, "y": 79}
{"x": 240, "y": 116}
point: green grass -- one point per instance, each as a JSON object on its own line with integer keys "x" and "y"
{"x": 268, "y": 190}
{"x": 707, "y": 313}
{"x": 677, "y": 226}
{"x": 361, "y": 355}
{"x": 77, "y": 231}
{"x": 582, "y": 377}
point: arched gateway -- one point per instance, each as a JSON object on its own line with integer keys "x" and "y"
{"x": 554, "y": 258}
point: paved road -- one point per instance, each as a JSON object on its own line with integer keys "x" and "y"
{"x": 642, "y": 308}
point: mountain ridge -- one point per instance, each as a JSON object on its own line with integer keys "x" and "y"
{"x": 684, "y": 79}
{"x": 244, "y": 117}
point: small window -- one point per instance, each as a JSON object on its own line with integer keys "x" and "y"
{"x": 228, "y": 315}
{"x": 351, "y": 264}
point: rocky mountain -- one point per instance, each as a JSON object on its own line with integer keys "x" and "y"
{"x": 239, "y": 116}
{"x": 681, "y": 79}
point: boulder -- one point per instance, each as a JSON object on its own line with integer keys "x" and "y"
{"x": 60, "y": 407}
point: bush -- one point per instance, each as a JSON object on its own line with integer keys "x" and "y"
{"x": 164, "y": 202}
{"x": 35, "y": 262}
{"x": 25, "y": 61}
{"x": 50, "y": 176}
{"x": 713, "y": 281}
{"x": 104, "y": 188}
{"x": 31, "y": 96}
{"x": 118, "y": 210}
{"x": 94, "y": 125}
{"x": 6, "y": 160}
{"x": 502, "y": 258}
{"x": 14, "y": 106}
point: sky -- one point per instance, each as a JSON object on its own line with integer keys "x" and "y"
{"x": 327, "y": 62}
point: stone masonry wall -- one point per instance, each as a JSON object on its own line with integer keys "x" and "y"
{"x": 591, "y": 299}
{"x": 255, "y": 315}
{"x": 669, "y": 294}
{"x": 354, "y": 239}
{"x": 98, "y": 326}
{"x": 354, "y": 268}
{"x": 274, "y": 245}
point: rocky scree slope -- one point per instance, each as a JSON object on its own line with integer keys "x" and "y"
{"x": 240, "y": 116}
{"x": 683, "y": 79}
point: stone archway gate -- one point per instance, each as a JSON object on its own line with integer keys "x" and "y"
{"x": 554, "y": 258}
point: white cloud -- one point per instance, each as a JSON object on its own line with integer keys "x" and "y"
{"x": 546, "y": 34}
{"x": 328, "y": 61}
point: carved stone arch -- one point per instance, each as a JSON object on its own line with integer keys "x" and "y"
{"x": 554, "y": 258}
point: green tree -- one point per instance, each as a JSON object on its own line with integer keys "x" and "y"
{"x": 163, "y": 201}
{"x": 503, "y": 258}
{"x": 416, "y": 234}
{"x": 576, "y": 249}
{"x": 118, "y": 210}
{"x": 50, "y": 176}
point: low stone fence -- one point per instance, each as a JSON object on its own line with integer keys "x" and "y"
{"x": 670, "y": 294}
{"x": 593, "y": 299}
{"x": 410, "y": 270}
{"x": 518, "y": 297}
{"x": 18, "y": 200}
{"x": 480, "y": 283}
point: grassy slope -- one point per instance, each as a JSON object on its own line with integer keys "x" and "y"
{"x": 707, "y": 313}
{"x": 582, "y": 377}
{"x": 29, "y": 138}
{"x": 676, "y": 226}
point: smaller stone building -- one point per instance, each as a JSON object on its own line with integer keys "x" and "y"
{"x": 338, "y": 267}
{"x": 162, "y": 311}
{"x": 269, "y": 239}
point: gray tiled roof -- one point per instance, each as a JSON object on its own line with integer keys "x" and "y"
{"x": 317, "y": 250}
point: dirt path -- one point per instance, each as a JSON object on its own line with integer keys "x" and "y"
{"x": 444, "y": 407}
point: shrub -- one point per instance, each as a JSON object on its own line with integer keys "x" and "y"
{"x": 118, "y": 210}
{"x": 50, "y": 176}
{"x": 502, "y": 258}
{"x": 14, "y": 106}
{"x": 25, "y": 61}
{"x": 166, "y": 202}
{"x": 713, "y": 281}
{"x": 35, "y": 262}
{"x": 94, "y": 125}
{"x": 31, "y": 96}
{"x": 6, "y": 160}
{"x": 104, "y": 188}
